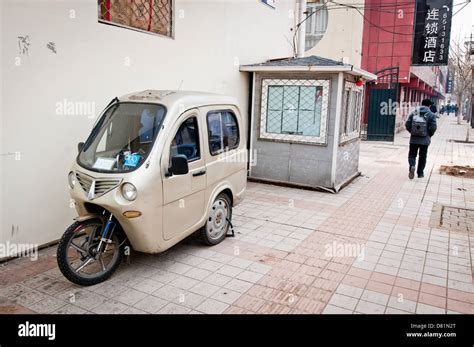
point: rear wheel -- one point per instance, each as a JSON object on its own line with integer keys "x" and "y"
{"x": 77, "y": 254}
{"x": 217, "y": 224}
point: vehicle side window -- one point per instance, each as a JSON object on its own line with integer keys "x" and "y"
{"x": 223, "y": 130}
{"x": 186, "y": 140}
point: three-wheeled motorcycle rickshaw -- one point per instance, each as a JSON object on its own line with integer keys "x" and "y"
{"x": 157, "y": 167}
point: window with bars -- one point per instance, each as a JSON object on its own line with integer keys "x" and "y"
{"x": 294, "y": 110}
{"x": 316, "y": 23}
{"x": 351, "y": 111}
{"x": 154, "y": 16}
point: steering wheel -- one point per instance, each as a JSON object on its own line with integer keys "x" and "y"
{"x": 190, "y": 151}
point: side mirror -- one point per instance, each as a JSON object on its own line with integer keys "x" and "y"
{"x": 79, "y": 146}
{"x": 179, "y": 165}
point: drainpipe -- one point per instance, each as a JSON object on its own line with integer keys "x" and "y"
{"x": 337, "y": 125}
{"x": 302, "y": 28}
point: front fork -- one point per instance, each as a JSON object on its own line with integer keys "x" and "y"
{"x": 107, "y": 233}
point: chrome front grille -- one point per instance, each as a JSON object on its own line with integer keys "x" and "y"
{"x": 96, "y": 187}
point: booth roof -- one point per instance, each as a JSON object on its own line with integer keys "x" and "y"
{"x": 312, "y": 63}
{"x": 312, "y": 60}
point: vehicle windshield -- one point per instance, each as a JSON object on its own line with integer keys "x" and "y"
{"x": 122, "y": 138}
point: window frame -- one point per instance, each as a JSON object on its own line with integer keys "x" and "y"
{"x": 318, "y": 8}
{"x": 172, "y": 26}
{"x": 295, "y": 138}
{"x": 198, "y": 142}
{"x": 351, "y": 87}
{"x": 238, "y": 131}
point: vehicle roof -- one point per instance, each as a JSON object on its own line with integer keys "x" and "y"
{"x": 183, "y": 99}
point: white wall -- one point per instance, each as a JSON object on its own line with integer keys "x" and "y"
{"x": 212, "y": 39}
{"x": 343, "y": 37}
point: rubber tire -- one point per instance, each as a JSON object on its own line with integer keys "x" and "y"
{"x": 61, "y": 256}
{"x": 204, "y": 235}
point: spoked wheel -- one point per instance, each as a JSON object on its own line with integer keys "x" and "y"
{"x": 78, "y": 258}
{"x": 217, "y": 224}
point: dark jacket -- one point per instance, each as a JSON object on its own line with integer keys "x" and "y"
{"x": 431, "y": 125}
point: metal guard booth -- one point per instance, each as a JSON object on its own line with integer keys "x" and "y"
{"x": 305, "y": 122}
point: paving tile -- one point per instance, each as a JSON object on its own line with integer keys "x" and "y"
{"x": 130, "y": 297}
{"x": 374, "y": 297}
{"x": 29, "y": 298}
{"x": 70, "y": 309}
{"x": 433, "y": 300}
{"x": 204, "y": 289}
{"x": 238, "y": 285}
{"x": 343, "y": 301}
{"x": 150, "y": 304}
{"x": 217, "y": 279}
{"x": 347, "y": 290}
{"x": 459, "y": 306}
{"x": 148, "y": 286}
{"x": 402, "y": 304}
{"x": 428, "y": 309}
{"x": 47, "y": 305}
{"x": 249, "y": 276}
{"x": 226, "y": 296}
{"x": 212, "y": 306}
{"x": 439, "y": 281}
{"x": 110, "y": 307}
{"x": 173, "y": 308}
{"x": 411, "y": 275}
{"x": 168, "y": 293}
{"x": 369, "y": 307}
{"x": 331, "y": 309}
{"x": 184, "y": 282}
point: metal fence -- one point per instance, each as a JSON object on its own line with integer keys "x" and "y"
{"x": 154, "y": 16}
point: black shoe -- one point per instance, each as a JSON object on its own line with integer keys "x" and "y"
{"x": 421, "y": 175}
{"x": 411, "y": 174}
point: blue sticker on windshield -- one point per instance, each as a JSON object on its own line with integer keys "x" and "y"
{"x": 132, "y": 160}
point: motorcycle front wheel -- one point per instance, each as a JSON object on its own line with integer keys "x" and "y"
{"x": 77, "y": 256}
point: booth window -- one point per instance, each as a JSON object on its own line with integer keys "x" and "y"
{"x": 153, "y": 16}
{"x": 223, "y": 131}
{"x": 294, "y": 110}
{"x": 351, "y": 111}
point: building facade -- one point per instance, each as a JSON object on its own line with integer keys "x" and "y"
{"x": 387, "y": 43}
{"x": 62, "y": 62}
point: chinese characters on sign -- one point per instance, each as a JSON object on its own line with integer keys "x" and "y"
{"x": 432, "y": 31}
{"x": 450, "y": 82}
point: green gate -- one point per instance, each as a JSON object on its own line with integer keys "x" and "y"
{"x": 382, "y": 97}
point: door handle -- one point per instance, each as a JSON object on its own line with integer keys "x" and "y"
{"x": 199, "y": 173}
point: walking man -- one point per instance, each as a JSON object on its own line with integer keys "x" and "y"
{"x": 421, "y": 124}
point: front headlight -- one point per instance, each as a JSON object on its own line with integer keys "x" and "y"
{"x": 71, "y": 179}
{"x": 129, "y": 191}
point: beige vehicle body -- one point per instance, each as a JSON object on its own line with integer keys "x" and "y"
{"x": 167, "y": 208}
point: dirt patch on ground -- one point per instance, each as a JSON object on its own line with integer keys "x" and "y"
{"x": 457, "y": 170}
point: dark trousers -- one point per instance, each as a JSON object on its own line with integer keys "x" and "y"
{"x": 423, "y": 152}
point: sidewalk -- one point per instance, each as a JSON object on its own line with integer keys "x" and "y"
{"x": 376, "y": 247}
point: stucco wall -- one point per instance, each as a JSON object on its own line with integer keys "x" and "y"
{"x": 347, "y": 160}
{"x": 94, "y": 63}
{"x": 343, "y": 37}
